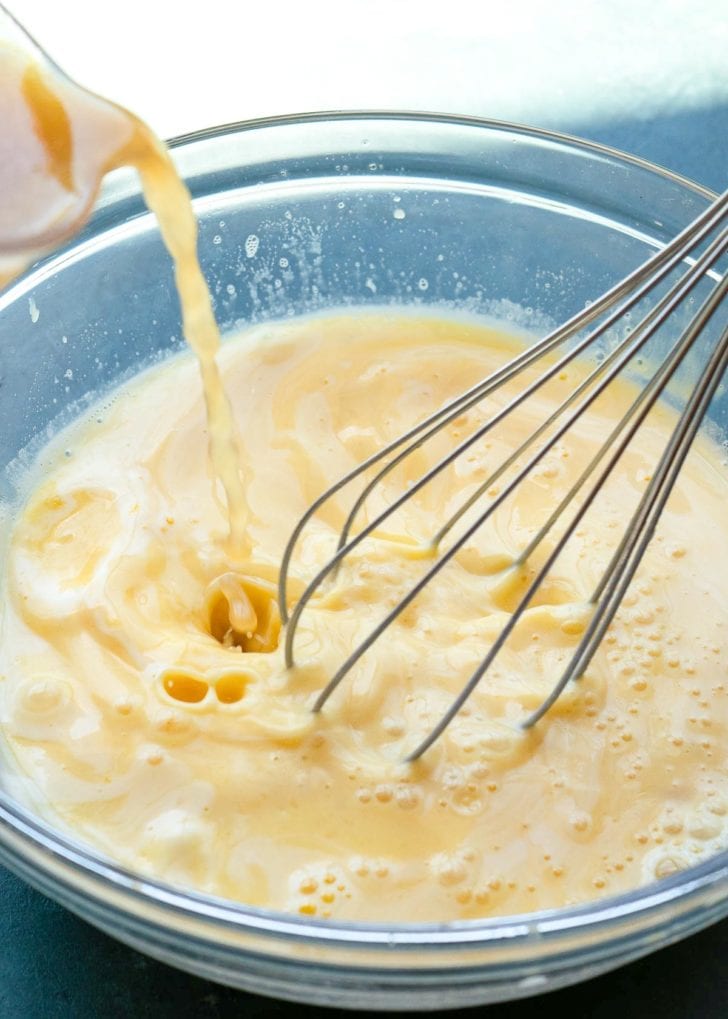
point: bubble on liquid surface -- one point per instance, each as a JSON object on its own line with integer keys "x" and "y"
{"x": 251, "y": 245}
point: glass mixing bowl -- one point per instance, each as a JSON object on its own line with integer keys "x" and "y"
{"x": 305, "y": 213}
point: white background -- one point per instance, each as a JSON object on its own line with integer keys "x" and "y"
{"x": 183, "y": 65}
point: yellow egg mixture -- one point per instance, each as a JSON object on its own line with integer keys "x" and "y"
{"x": 142, "y": 683}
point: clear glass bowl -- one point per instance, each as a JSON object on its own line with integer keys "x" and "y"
{"x": 305, "y": 213}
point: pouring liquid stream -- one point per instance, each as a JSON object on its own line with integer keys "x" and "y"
{"x": 57, "y": 143}
{"x": 255, "y": 835}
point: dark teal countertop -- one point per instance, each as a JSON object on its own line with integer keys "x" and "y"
{"x": 54, "y": 966}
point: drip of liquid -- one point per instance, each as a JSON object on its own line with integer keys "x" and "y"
{"x": 57, "y": 143}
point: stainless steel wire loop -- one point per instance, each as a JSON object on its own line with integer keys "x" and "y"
{"x": 694, "y": 256}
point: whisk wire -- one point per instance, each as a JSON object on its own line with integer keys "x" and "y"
{"x": 622, "y": 353}
{"x": 637, "y": 338}
{"x": 621, "y": 570}
{"x": 662, "y": 261}
{"x": 659, "y": 380}
{"x": 555, "y": 339}
{"x": 625, "y": 560}
{"x": 446, "y": 556}
{"x": 615, "y": 579}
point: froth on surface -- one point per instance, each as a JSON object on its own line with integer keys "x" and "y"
{"x": 153, "y": 734}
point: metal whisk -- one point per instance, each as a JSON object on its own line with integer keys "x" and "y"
{"x": 694, "y": 254}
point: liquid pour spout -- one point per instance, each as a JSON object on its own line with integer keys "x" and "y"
{"x": 57, "y": 142}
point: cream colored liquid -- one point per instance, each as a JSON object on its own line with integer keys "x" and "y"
{"x": 57, "y": 142}
{"x": 178, "y": 744}
{"x": 142, "y": 688}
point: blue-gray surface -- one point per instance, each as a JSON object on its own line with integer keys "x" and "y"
{"x": 53, "y": 966}
{"x": 693, "y": 143}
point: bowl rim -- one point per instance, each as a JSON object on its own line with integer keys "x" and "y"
{"x": 605, "y": 917}
{"x": 642, "y": 904}
{"x": 424, "y": 116}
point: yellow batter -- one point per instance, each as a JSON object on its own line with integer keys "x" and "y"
{"x": 57, "y": 141}
{"x": 152, "y": 715}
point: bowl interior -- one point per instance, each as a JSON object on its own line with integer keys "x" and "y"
{"x": 296, "y": 217}
{"x": 307, "y": 214}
